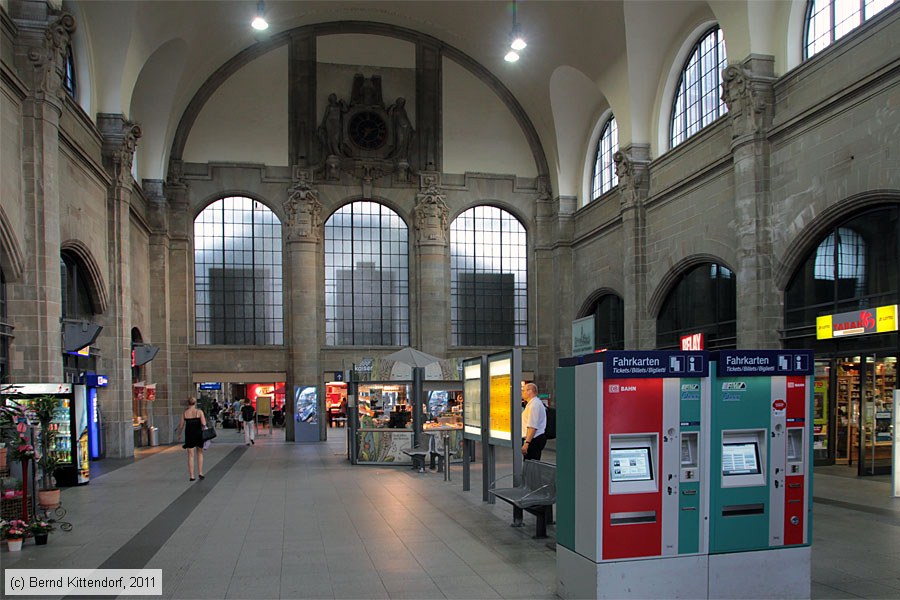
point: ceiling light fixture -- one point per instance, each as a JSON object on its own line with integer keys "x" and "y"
{"x": 516, "y": 41}
{"x": 259, "y": 22}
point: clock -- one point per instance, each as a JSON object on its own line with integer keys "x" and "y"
{"x": 367, "y": 130}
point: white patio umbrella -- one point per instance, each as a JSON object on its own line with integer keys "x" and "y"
{"x": 412, "y": 357}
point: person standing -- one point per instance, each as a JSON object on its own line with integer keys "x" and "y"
{"x": 193, "y": 422}
{"x": 248, "y": 415}
{"x": 534, "y": 423}
{"x": 236, "y": 414}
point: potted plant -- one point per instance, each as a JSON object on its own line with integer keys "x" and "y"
{"x": 45, "y": 408}
{"x": 14, "y": 533}
{"x": 40, "y": 530}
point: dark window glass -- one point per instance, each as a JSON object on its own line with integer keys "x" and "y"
{"x": 69, "y": 82}
{"x": 76, "y": 296}
{"x": 609, "y": 323}
{"x": 488, "y": 279}
{"x": 829, "y": 20}
{"x": 366, "y": 277}
{"x": 605, "y": 177}
{"x": 237, "y": 274}
{"x": 698, "y": 99}
{"x": 703, "y": 301}
{"x": 854, "y": 266}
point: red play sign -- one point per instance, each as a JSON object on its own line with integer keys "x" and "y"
{"x": 779, "y": 404}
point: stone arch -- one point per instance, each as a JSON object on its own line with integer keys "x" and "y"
{"x": 95, "y": 284}
{"x": 246, "y": 56}
{"x": 829, "y": 218}
{"x": 506, "y": 206}
{"x": 584, "y": 311}
{"x": 386, "y": 202}
{"x": 667, "y": 283}
{"x": 12, "y": 260}
{"x": 232, "y": 193}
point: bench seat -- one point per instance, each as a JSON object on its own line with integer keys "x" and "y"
{"x": 536, "y": 494}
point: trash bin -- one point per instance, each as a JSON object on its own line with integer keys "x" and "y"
{"x": 154, "y": 436}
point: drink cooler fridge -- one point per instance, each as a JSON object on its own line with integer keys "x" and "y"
{"x": 71, "y": 446}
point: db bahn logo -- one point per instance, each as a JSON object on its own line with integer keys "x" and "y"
{"x": 779, "y": 404}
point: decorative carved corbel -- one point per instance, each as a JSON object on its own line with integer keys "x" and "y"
{"x": 118, "y": 149}
{"x": 303, "y": 209}
{"x": 431, "y": 211}
{"x": 629, "y": 179}
{"x": 746, "y": 104}
{"x": 49, "y": 59}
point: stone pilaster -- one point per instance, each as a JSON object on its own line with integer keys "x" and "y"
{"x": 303, "y": 146}
{"x": 180, "y": 297}
{"x": 303, "y": 262}
{"x": 543, "y": 287}
{"x": 165, "y": 413}
{"x": 429, "y": 132}
{"x": 632, "y": 168}
{"x": 120, "y": 138}
{"x": 40, "y": 50}
{"x": 748, "y": 93}
{"x": 433, "y": 251}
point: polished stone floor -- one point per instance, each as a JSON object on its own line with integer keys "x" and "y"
{"x": 279, "y": 520}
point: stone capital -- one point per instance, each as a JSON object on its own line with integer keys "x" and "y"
{"x": 120, "y": 138}
{"x": 431, "y": 211}
{"x": 749, "y": 99}
{"x": 49, "y": 59}
{"x": 632, "y": 169}
{"x": 303, "y": 209}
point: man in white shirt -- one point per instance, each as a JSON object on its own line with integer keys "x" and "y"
{"x": 534, "y": 423}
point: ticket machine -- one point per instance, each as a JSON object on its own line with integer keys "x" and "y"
{"x": 631, "y": 475}
{"x": 761, "y": 473}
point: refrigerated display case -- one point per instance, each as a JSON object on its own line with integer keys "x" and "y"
{"x": 71, "y": 446}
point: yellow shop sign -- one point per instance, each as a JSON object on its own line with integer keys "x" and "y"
{"x": 857, "y": 322}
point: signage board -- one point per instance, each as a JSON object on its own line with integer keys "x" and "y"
{"x": 858, "y": 322}
{"x": 95, "y": 380}
{"x": 210, "y": 386}
{"x": 733, "y": 363}
{"x": 583, "y": 335}
{"x": 472, "y": 403}
{"x": 693, "y": 341}
{"x": 655, "y": 363}
{"x": 37, "y": 389}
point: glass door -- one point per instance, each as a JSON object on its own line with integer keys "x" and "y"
{"x": 846, "y": 420}
{"x": 878, "y": 383}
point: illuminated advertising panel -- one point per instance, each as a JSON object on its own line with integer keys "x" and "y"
{"x": 858, "y": 322}
{"x": 472, "y": 405}
{"x": 500, "y": 372}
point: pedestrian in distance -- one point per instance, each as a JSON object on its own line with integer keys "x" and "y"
{"x": 248, "y": 416}
{"x": 193, "y": 422}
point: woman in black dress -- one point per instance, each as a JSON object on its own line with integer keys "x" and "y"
{"x": 193, "y": 422}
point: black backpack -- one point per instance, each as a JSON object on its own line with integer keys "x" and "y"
{"x": 550, "y": 432}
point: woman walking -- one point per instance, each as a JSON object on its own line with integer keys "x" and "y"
{"x": 193, "y": 422}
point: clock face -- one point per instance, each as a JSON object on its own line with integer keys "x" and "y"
{"x": 367, "y": 130}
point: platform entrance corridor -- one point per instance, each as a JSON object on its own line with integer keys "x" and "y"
{"x": 280, "y": 520}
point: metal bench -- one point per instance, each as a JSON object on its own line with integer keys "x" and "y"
{"x": 418, "y": 457}
{"x": 536, "y": 494}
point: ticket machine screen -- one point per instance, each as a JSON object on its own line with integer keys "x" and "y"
{"x": 630, "y": 464}
{"x": 740, "y": 459}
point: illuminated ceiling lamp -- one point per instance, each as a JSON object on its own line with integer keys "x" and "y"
{"x": 259, "y": 22}
{"x": 516, "y": 41}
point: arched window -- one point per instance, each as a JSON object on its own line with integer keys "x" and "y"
{"x": 605, "y": 177}
{"x": 76, "y": 295}
{"x": 366, "y": 277}
{"x": 5, "y": 332}
{"x": 70, "y": 82}
{"x": 829, "y": 20}
{"x": 703, "y": 301}
{"x": 698, "y": 99}
{"x": 237, "y": 274}
{"x": 609, "y": 322}
{"x": 855, "y": 265}
{"x": 488, "y": 279}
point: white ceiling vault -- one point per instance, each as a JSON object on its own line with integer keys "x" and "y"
{"x": 148, "y": 58}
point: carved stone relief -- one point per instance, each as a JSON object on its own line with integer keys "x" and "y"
{"x": 49, "y": 60}
{"x": 432, "y": 213}
{"x": 302, "y": 209}
{"x": 746, "y": 102}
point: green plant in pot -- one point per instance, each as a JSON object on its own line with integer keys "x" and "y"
{"x": 45, "y": 408}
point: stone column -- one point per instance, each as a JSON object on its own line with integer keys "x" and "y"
{"x": 40, "y": 51}
{"x": 119, "y": 142}
{"x": 632, "y": 168}
{"x": 180, "y": 297}
{"x": 748, "y": 93}
{"x": 165, "y": 412}
{"x": 432, "y": 332}
{"x": 304, "y": 265}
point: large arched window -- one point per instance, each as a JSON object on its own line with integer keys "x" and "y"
{"x": 855, "y": 265}
{"x": 237, "y": 274}
{"x": 366, "y": 277}
{"x": 702, "y": 301}
{"x": 698, "y": 99}
{"x": 488, "y": 279}
{"x": 605, "y": 177}
{"x": 609, "y": 322}
{"x": 829, "y": 20}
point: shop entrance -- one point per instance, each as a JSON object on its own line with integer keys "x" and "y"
{"x": 861, "y": 394}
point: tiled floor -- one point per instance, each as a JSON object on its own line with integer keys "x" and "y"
{"x": 279, "y": 520}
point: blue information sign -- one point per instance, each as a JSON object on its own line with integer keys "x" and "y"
{"x": 764, "y": 362}
{"x": 655, "y": 363}
{"x": 210, "y": 386}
